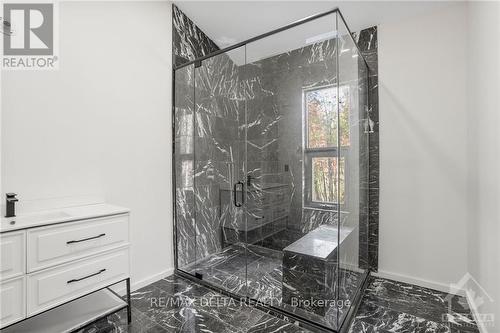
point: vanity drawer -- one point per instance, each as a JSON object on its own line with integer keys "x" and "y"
{"x": 12, "y": 254}
{"x": 55, "y": 286}
{"x": 12, "y": 301}
{"x": 53, "y": 245}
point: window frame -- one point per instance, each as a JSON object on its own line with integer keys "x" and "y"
{"x": 321, "y": 152}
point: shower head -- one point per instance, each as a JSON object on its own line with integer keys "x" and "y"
{"x": 5, "y": 27}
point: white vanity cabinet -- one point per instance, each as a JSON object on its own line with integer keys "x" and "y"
{"x": 12, "y": 300}
{"x": 57, "y": 285}
{"x": 50, "y": 265}
{"x": 12, "y": 255}
{"x": 60, "y": 243}
{"x": 12, "y": 277}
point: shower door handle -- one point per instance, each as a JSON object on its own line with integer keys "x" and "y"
{"x": 242, "y": 192}
{"x": 235, "y": 191}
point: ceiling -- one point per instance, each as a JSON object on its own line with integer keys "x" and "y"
{"x": 229, "y": 22}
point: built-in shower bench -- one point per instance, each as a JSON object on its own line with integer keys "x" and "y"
{"x": 310, "y": 267}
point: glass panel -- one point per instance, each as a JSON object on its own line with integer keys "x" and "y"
{"x": 352, "y": 76}
{"x": 291, "y": 93}
{"x": 219, "y": 182}
{"x": 184, "y": 162}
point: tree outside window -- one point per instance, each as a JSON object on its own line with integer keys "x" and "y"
{"x": 322, "y": 164}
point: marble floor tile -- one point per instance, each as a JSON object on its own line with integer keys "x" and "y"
{"x": 118, "y": 323}
{"x": 195, "y": 319}
{"x": 269, "y": 323}
{"x": 393, "y": 306}
{"x": 175, "y": 304}
{"x": 177, "y": 285}
{"x": 257, "y": 272}
{"x": 386, "y": 319}
{"x": 359, "y": 326}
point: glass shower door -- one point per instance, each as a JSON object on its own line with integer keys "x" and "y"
{"x": 219, "y": 181}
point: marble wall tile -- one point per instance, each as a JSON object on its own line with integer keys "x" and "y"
{"x": 206, "y": 142}
{"x": 186, "y": 227}
{"x": 275, "y": 101}
{"x": 189, "y": 42}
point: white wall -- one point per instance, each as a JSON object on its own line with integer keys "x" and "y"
{"x": 99, "y": 126}
{"x": 484, "y": 152}
{"x": 423, "y": 159}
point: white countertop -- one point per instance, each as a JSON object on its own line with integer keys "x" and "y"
{"x": 59, "y": 216}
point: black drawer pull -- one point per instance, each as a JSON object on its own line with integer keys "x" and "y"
{"x": 88, "y": 276}
{"x": 85, "y": 239}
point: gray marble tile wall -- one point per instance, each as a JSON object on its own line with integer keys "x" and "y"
{"x": 189, "y": 42}
{"x": 206, "y": 124}
{"x": 275, "y": 122}
{"x": 216, "y": 147}
{"x": 274, "y": 112}
{"x": 206, "y": 153}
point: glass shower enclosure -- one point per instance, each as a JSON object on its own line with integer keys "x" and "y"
{"x": 271, "y": 169}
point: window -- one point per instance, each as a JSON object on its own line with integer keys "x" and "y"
{"x": 322, "y": 167}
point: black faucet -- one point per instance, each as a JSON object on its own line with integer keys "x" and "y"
{"x": 10, "y": 204}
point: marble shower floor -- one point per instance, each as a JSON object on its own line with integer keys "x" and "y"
{"x": 175, "y": 304}
{"x": 255, "y": 271}
{"x": 258, "y": 273}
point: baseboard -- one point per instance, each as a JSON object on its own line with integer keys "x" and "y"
{"x": 150, "y": 279}
{"x": 417, "y": 281}
{"x": 134, "y": 285}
